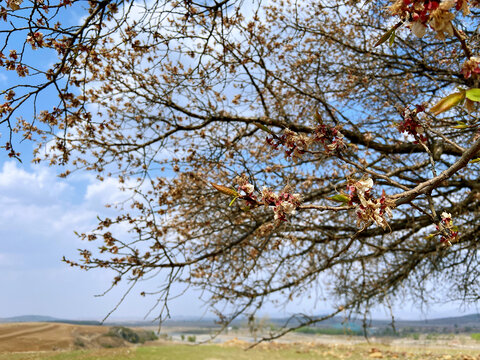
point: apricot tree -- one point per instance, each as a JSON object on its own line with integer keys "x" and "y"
{"x": 270, "y": 148}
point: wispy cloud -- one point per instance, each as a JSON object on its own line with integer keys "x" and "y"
{"x": 39, "y": 213}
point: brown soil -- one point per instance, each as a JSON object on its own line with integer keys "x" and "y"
{"x": 21, "y": 337}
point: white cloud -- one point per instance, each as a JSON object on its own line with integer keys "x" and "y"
{"x": 21, "y": 186}
{"x": 40, "y": 211}
{"x": 107, "y": 191}
{"x": 39, "y": 214}
{"x": 38, "y": 205}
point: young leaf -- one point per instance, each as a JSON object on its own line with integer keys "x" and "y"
{"x": 461, "y": 125}
{"x": 225, "y": 190}
{"x": 473, "y": 94}
{"x": 392, "y": 39}
{"x": 448, "y": 102}
{"x": 385, "y": 36}
{"x": 233, "y": 200}
{"x": 473, "y": 161}
{"x": 263, "y": 127}
{"x": 340, "y": 198}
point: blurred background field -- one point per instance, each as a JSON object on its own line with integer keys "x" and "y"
{"x": 274, "y": 351}
{"x": 194, "y": 340}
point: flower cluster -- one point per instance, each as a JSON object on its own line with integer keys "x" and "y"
{"x": 247, "y": 188}
{"x": 471, "y": 67}
{"x": 11, "y": 152}
{"x": 448, "y": 228}
{"x": 36, "y": 40}
{"x": 5, "y": 109}
{"x": 10, "y": 63}
{"x": 14, "y": 4}
{"x": 284, "y": 203}
{"x": 330, "y": 137}
{"x": 246, "y": 191}
{"x": 434, "y": 13}
{"x": 410, "y": 123}
{"x": 367, "y": 207}
{"x": 297, "y": 144}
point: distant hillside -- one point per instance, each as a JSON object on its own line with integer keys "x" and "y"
{"x": 466, "y": 323}
{"x": 50, "y": 319}
{"x": 27, "y": 318}
{"x": 459, "y": 324}
{"x": 463, "y": 320}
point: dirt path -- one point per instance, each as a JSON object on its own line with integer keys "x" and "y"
{"x": 31, "y": 330}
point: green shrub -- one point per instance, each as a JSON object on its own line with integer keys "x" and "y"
{"x": 475, "y": 336}
{"x": 147, "y": 335}
{"x": 132, "y": 336}
{"x": 192, "y": 338}
{"x": 78, "y": 342}
{"x": 415, "y": 336}
{"x": 124, "y": 333}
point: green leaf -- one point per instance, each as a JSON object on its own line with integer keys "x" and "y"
{"x": 473, "y": 94}
{"x": 385, "y": 36}
{"x": 340, "y": 198}
{"x": 448, "y": 102}
{"x": 263, "y": 127}
{"x": 461, "y": 125}
{"x": 473, "y": 161}
{"x": 233, "y": 200}
{"x": 392, "y": 39}
{"x": 429, "y": 236}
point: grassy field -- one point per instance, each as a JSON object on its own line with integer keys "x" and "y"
{"x": 265, "y": 352}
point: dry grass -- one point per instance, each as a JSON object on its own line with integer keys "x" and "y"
{"x": 20, "y": 337}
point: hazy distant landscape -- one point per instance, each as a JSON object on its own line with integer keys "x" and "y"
{"x": 36, "y": 337}
{"x": 459, "y": 324}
